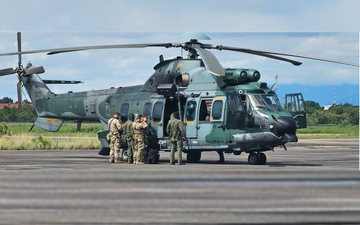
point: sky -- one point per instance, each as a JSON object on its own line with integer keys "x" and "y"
{"x": 312, "y": 28}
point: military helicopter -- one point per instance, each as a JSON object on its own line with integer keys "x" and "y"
{"x": 224, "y": 109}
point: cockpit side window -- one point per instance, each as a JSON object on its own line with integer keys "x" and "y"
{"x": 267, "y": 102}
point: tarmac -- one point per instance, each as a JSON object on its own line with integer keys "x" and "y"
{"x": 313, "y": 182}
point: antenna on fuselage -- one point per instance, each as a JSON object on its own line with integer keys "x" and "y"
{"x": 274, "y": 87}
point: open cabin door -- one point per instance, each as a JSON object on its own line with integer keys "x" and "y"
{"x": 295, "y": 104}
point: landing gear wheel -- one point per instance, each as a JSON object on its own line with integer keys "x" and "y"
{"x": 124, "y": 156}
{"x": 193, "y": 157}
{"x": 253, "y": 159}
{"x": 261, "y": 159}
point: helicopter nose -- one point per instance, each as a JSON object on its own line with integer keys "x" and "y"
{"x": 285, "y": 125}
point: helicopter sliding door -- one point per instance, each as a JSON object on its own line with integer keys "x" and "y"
{"x": 191, "y": 117}
{"x": 295, "y": 104}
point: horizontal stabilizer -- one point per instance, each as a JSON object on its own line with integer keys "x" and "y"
{"x": 62, "y": 81}
{"x": 49, "y": 124}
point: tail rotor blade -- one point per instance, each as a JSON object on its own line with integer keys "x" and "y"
{"x": 7, "y": 71}
{"x": 34, "y": 70}
{"x": 19, "y": 47}
{"x": 19, "y": 93}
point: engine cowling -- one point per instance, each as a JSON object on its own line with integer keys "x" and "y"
{"x": 240, "y": 76}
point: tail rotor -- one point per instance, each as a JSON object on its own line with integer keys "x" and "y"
{"x": 21, "y": 71}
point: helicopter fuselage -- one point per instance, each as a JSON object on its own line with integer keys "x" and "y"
{"x": 233, "y": 114}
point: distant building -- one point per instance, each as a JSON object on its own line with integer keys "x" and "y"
{"x": 11, "y": 105}
{"x": 327, "y": 107}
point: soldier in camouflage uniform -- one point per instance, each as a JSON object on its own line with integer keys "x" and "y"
{"x": 139, "y": 129}
{"x": 129, "y": 137}
{"x": 146, "y": 141}
{"x": 176, "y": 132}
{"x": 115, "y": 130}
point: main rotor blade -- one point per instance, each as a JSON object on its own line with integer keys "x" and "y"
{"x": 313, "y": 58}
{"x": 211, "y": 62}
{"x": 62, "y": 81}
{"x": 7, "y": 71}
{"x": 52, "y": 51}
{"x": 271, "y": 55}
{"x": 19, "y": 48}
{"x": 255, "y": 52}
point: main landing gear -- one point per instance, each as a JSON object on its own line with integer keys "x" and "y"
{"x": 257, "y": 158}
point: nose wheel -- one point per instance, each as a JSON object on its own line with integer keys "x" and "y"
{"x": 257, "y": 158}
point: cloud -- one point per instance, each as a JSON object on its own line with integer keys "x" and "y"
{"x": 171, "y": 15}
{"x": 101, "y": 69}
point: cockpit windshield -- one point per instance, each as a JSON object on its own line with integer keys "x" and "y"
{"x": 268, "y": 102}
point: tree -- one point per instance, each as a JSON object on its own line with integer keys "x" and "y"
{"x": 343, "y": 114}
{"x": 6, "y": 100}
{"x": 312, "y": 106}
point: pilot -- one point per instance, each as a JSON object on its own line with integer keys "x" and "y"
{"x": 139, "y": 128}
{"x": 115, "y": 130}
{"x": 129, "y": 137}
{"x": 176, "y": 131}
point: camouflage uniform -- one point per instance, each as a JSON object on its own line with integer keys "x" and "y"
{"x": 139, "y": 128}
{"x": 115, "y": 129}
{"x": 129, "y": 137}
{"x": 176, "y": 132}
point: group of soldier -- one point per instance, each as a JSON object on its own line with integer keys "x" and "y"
{"x": 135, "y": 135}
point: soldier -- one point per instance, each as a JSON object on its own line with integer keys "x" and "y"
{"x": 146, "y": 141}
{"x": 115, "y": 130}
{"x": 176, "y": 132}
{"x": 139, "y": 128}
{"x": 129, "y": 137}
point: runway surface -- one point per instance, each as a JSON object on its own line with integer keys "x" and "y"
{"x": 313, "y": 182}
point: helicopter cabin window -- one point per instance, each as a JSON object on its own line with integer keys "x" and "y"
{"x": 205, "y": 107}
{"x": 147, "y": 109}
{"x": 235, "y": 114}
{"x": 217, "y": 110}
{"x": 157, "y": 111}
{"x": 190, "y": 111}
{"x": 124, "y": 111}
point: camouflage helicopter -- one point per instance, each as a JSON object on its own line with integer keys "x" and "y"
{"x": 224, "y": 109}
